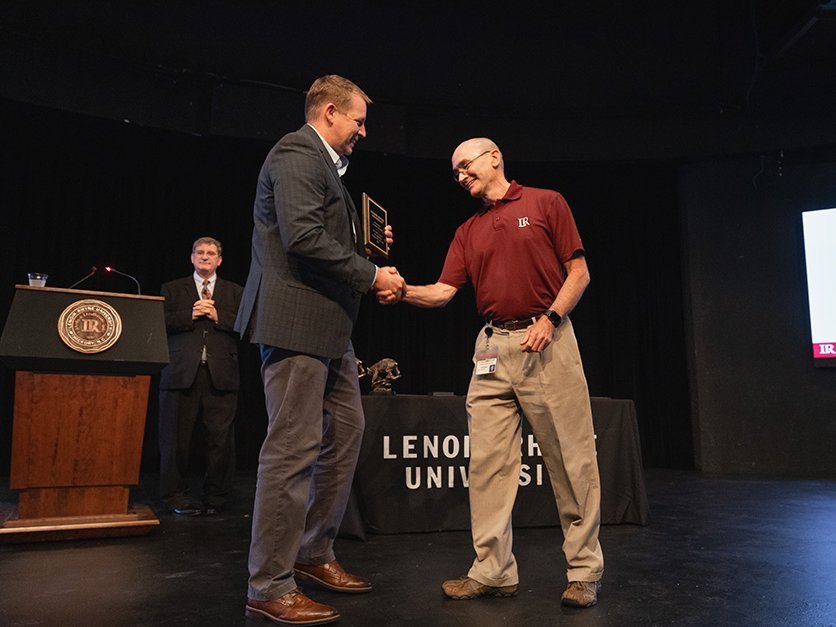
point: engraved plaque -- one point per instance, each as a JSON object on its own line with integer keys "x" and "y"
{"x": 375, "y": 219}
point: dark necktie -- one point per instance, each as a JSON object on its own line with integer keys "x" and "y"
{"x": 205, "y": 294}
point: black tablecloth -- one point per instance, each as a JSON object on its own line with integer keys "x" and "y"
{"x": 412, "y": 471}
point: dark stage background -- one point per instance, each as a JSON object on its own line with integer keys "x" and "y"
{"x": 80, "y": 191}
{"x": 697, "y": 308}
{"x": 760, "y": 405}
{"x": 687, "y": 137}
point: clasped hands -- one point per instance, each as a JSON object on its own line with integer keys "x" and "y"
{"x": 389, "y": 286}
{"x": 204, "y": 307}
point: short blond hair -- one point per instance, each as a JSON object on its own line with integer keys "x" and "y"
{"x": 331, "y": 88}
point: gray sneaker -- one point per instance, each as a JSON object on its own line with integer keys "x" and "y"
{"x": 581, "y": 593}
{"x": 466, "y": 588}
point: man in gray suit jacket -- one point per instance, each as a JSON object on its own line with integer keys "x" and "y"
{"x": 307, "y": 276}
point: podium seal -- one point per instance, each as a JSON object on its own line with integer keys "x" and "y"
{"x": 89, "y": 326}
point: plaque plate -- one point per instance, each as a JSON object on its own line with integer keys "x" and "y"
{"x": 375, "y": 219}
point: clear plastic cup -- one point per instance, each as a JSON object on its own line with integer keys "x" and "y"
{"x": 37, "y": 279}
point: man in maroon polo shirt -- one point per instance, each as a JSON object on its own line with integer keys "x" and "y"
{"x": 524, "y": 257}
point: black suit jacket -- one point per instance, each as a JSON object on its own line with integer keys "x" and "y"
{"x": 186, "y": 337}
{"x": 308, "y": 273}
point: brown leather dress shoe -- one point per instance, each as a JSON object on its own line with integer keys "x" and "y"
{"x": 333, "y": 577}
{"x": 293, "y": 608}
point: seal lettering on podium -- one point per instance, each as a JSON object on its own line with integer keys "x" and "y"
{"x": 89, "y": 326}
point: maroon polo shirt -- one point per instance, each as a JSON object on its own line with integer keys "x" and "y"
{"x": 513, "y": 252}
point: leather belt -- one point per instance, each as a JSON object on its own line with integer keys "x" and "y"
{"x": 512, "y": 325}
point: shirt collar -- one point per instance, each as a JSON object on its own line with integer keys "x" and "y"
{"x": 199, "y": 279}
{"x": 340, "y": 161}
{"x": 514, "y": 192}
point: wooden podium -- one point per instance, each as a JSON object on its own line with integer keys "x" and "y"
{"x": 79, "y": 411}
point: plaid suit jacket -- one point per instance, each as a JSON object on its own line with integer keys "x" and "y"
{"x": 307, "y": 273}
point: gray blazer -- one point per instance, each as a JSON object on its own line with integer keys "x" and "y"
{"x": 307, "y": 273}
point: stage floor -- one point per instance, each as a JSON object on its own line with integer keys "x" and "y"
{"x": 718, "y": 551}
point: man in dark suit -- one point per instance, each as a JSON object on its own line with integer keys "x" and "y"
{"x": 307, "y": 276}
{"x": 201, "y": 381}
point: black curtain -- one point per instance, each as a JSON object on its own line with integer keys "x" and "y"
{"x": 80, "y": 191}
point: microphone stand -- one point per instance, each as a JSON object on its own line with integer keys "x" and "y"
{"x": 83, "y": 279}
{"x": 115, "y": 271}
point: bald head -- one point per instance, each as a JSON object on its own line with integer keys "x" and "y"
{"x": 479, "y": 168}
{"x": 472, "y": 147}
{"x": 478, "y": 143}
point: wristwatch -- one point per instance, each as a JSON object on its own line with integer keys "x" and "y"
{"x": 554, "y": 317}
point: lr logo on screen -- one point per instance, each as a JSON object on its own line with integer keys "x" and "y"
{"x": 89, "y": 326}
{"x": 824, "y": 350}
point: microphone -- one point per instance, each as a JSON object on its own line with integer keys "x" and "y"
{"x": 115, "y": 271}
{"x": 83, "y": 279}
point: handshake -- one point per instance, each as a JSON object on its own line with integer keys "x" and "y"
{"x": 389, "y": 286}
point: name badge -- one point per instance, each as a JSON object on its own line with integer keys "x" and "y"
{"x": 486, "y": 363}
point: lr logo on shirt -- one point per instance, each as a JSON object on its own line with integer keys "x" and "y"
{"x": 521, "y": 222}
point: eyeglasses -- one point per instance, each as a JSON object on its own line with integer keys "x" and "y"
{"x": 360, "y": 123}
{"x": 462, "y": 169}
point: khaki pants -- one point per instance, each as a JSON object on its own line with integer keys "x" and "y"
{"x": 550, "y": 390}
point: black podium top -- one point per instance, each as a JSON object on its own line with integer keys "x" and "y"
{"x": 31, "y": 341}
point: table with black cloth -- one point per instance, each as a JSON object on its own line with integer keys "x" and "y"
{"x": 412, "y": 471}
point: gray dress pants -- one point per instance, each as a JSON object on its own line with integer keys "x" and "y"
{"x": 306, "y": 465}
